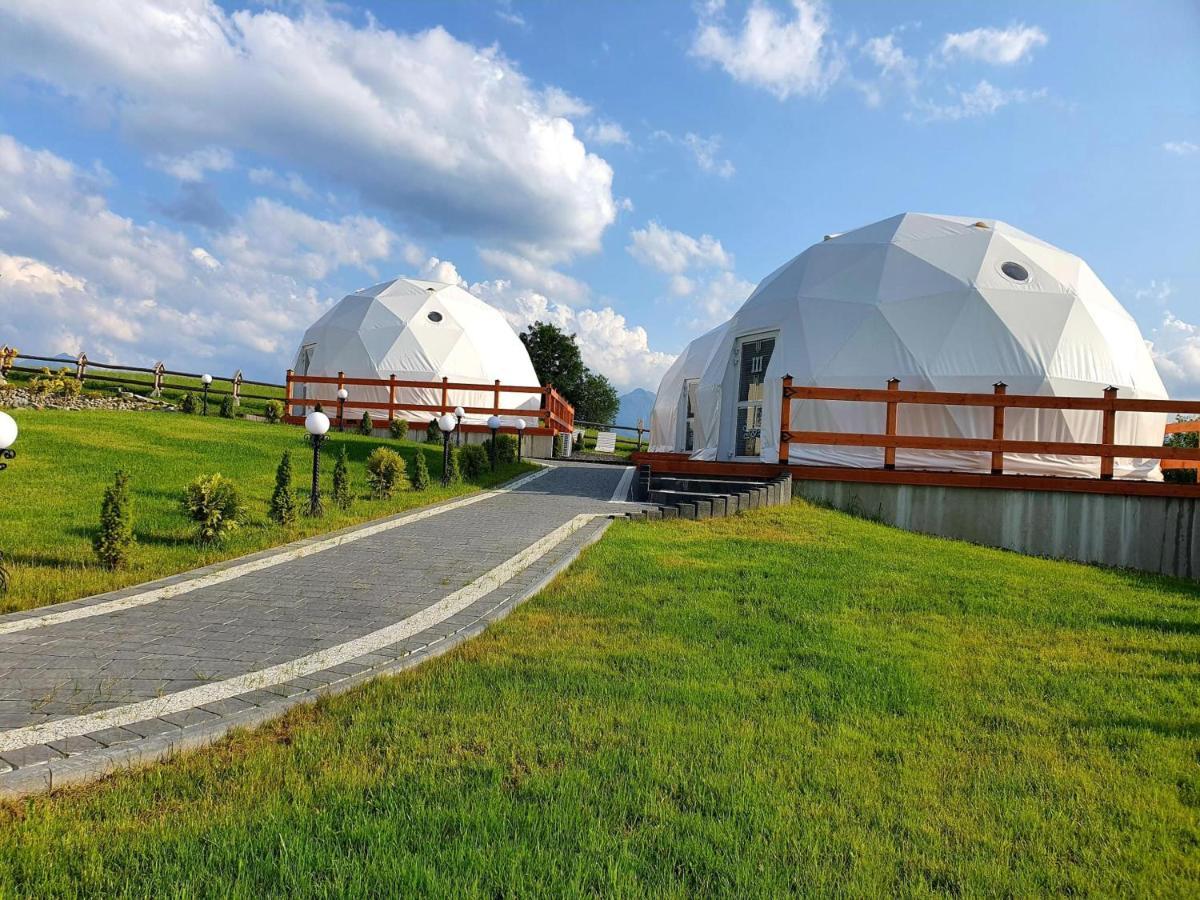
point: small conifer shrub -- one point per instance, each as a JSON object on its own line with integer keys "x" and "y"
{"x": 115, "y": 537}
{"x": 399, "y": 428}
{"x": 213, "y": 503}
{"x": 283, "y": 500}
{"x": 341, "y": 479}
{"x": 227, "y": 408}
{"x": 385, "y": 472}
{"x": 420, "y": 476}
{"x": 365, "y": 426}
{"x": 273, "y": 412}
{"x": 188, "y": 403}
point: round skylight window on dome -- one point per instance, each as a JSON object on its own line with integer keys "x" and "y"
{"x": 1015, "y": 271}
{"x": 435, "y": 316}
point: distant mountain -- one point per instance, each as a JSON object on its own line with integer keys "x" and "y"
{"x": 635, "y": 405}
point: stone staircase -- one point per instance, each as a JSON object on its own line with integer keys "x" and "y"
{"x": 703, "y": 496}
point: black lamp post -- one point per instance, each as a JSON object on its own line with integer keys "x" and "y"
{"x": 459, "y": 412}
{"x": 446, "y": 425}
{"x": 8, "y": 437}
{"x": 205, "y": 380}
{"x": 520, "y": 437}
{"x": 316, "y": 424}
{"x": 342, "y": 395}
{"x": 494, "y": 424}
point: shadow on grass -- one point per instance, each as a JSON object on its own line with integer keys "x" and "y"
{"x": 1163, "y": 626}
{"x": 1161, "y": 727}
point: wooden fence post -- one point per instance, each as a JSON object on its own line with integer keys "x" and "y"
{"x": 1108, "y": 431}
{"x": 287, "y": 394}
{"x": 445, "y": 396}
{"x": 785, "y": 421}
{"x": 998, "y": 428}
{"x": 237, "y": 387}
{"x": 640, "y": 429}
{"x": 889, "y": 453}
{"x": 496, "y": 399}
{"x": 544, "y": 412}
{"x": 391, "y": 397}
{"x": 81, "y": 366}
{"x": 160, "y": 369}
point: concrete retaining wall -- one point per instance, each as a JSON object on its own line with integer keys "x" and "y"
{"x": 1155, "y": 534}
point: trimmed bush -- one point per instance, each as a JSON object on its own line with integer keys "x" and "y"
{"x": 433, "y": 434}
{"x": 385, "y": 472}
{"x": 506, "y": 449}
{"x": 273, "y": 412}
{"x": 213, "y": 503}
{"x": 283, "y": 500}
{"x": 365, "y": 426}
{"x": 227, "y": 408}
{"x": 473, "y": 461}
{"x": 188, "y": 403}
{"x": 420, "y": 476}
{"x": 55, "y": 384}
{"x": 112, "y": 542}
{"x": 341, "y": 479}
{"x": 399, "y": 428}
{"x": 453, "y": 468}
{"x": 318, "y": 408}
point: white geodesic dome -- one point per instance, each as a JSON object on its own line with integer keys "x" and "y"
{"x": 942, "y": 303}
{"x": 419, "y": 331}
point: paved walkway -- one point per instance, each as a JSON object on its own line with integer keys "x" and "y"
{"x": 136, "y": 674}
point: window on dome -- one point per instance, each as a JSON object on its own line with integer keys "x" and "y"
{"x": 1015, "y": 271}
{"x": 435, "y": 316}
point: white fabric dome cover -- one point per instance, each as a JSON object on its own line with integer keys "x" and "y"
{"x": 936, "y": 302}
{"x": 419, "y": 331}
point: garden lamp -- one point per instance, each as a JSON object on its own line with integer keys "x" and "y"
{"x": 316, "y": 424}
{"x": 446, "y": 423}
{"x": 342, "y": 395}
{"x": 459, "y": 412}
{"x": 8, "y": 437}
{"x": 520, "y": 437}
{"x": 206, "y": 380}
{"x": 493, "y": 423}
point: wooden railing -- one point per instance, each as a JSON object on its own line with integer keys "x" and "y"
{"x": 997, "y": 445}
{"x": 554, "y": 415}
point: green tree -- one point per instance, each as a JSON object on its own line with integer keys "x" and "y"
{"x": 454, "y": 469}
{"x": 596, "y": 400}
{"x": 112, "y": 542}
{"x": 420, "y": 476}
{"x": 341, "y": 479}
{"x": 365, "y": 425}
{"x": 227, "y": 408}
{"x": 283, "y": 500}
{"x": 558, "y": 362}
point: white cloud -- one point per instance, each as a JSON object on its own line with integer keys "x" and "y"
{"x": 434, "y": 269}
{"x": 674, "y": 252}
{"x": 1175, "y": 346}
{"x": 529, "y": 274}
{"x": 192, "y": 166}
{"x": 1155, "y": 292}
{"x": 607, "y": 132}
{"x": 785, "y": 56}
{"x": 705, "y": 150}
{"x": 985, "y": 99}
{"x": 607, "y": 342}
{"x": 505, "y": 13}
{"x": 998, "y": 46}
{"x": 1181, "y": 148}
{"x": 268, "y": 177}
{"x": 483, "y": 151}
{"x": 79, "y": 276}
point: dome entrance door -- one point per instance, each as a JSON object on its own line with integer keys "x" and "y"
{"x": 753, "y": 357}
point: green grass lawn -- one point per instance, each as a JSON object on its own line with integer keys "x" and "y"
{"x": 50, "y": 494}
{"x": 793, "y": 700}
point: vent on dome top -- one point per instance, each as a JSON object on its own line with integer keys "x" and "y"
{"x": 1015, "y": 271}
{"x": 980, "y": 225}
{"x": 435, "y": 316}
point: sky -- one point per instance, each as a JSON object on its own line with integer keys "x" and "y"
{"x": 197, "y": 182}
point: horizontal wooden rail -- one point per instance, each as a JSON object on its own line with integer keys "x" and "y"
{"x": 402, "y": 383}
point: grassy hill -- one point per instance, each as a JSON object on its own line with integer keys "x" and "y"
{"x": 790, "y": 701}
{"x": 50, "y": 494}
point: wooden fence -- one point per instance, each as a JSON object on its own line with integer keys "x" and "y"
{"x": 158, "y": 380}
{"x": 554, "y": 415}
{"x": 997, "y": 445}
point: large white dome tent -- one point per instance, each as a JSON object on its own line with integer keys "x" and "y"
{"x": 942, "y": 303}
{"x": 418, "y": 331}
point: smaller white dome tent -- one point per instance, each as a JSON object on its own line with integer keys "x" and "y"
{"x": 677, "y": 404}
{"x": 945, "y": 304}
{"x": 418, "y": 331}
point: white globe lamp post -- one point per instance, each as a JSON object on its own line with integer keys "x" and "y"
{"x": 342, "y": 395}
{"x": 493, "y": 423}
{"x": 520, "y": 438}
{"x": 446, "y": 424}
{"x": 205, "y": 380}
{"x": 317, "y": 425}
{"x": 459, "y": 412}
{"x": 8, "y": 437}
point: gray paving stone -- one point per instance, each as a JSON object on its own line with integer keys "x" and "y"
{"x": 151, "y": 727}
{"x": 112, "y": 736}
{"x": 190, "y": 717}
{"x": 78, "y": 744}
{"x": 30, "y": 756}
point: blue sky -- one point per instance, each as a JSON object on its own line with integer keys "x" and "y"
{"x": 197, "y": 182}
